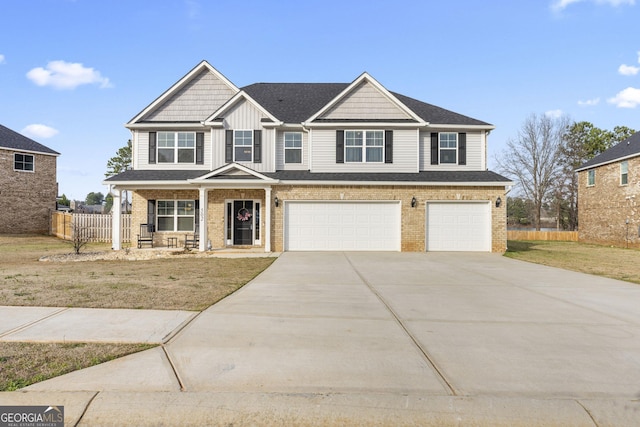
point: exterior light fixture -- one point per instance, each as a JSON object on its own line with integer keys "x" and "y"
{"x": 414, "y": 202}
{"x": 498, "y": 202}
{"x": 276, "y": 201}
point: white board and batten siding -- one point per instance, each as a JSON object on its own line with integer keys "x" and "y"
{"x": 458, "y": 226}
{"x": 342, "y": 226}
{"x": 476, "y": 143}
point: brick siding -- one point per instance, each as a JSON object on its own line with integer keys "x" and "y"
{"x": 27, "y": 199}
{"x": 604, "y": 208}
{"x": 413, "y": 226}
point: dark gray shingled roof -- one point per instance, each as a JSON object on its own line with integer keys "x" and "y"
{"x": 15, "y": 141}
{"x": 296, "y": 102}
{"x": 425, "y": 176}
{"x": 630, "y": 147}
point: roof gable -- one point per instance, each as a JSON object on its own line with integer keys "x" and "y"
{"x": 352, "y": 103}
{"x": 14, "y": 141}
{"x": 233, "y": 104}
{"x": 193, "y": 98}
{"x": 626, "y": 149}
{"x": 234, "y": 171}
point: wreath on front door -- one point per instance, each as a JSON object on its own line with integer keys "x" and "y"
{"x": 243, "y": 215}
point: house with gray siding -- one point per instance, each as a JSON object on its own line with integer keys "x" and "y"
{"x": 309, "y": 167}
{"x": 28, "y": 185}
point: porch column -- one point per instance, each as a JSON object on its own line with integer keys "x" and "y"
{"x": 116, "y": 220}
{"x": 202, "y": 227}
{"x": 267, "y": 219}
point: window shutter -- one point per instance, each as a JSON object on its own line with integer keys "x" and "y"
{"x": 339, "y": 146}
{"x": 228, "y": 146}
{"x": 199, "y": 148}
{"x": 388, "y": 146}
{"x": 434, "y": 148}
{"x": 197, "y": 216}
{"x": 257, "y": 146}
{"x": 151, "y": 215}
{"x": 152, "y": 147}
{"x": 462, "y": 148}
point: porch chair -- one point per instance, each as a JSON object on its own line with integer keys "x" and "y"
{"x": 192, "y": 240}
{"x": 146, "y": 235}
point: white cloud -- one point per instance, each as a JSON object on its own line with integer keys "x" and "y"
{"x": 66, "y": 75}
{"x": 2, "y": 59}
{"x": 554, "y": 114}
{"x": 628, "y": 70}
{"x": 628, "y": 98}
{"x": 589, "y": 102}
{"x": 559, "y": 5}
{"x": 39, "y": 131}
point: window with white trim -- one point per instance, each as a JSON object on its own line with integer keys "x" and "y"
{"x": 23, "y": 162}
{"x": 624, "y": 173}
{"x": 364, "y": 146}
{"x": 243, "y": 145}
{"x": 176, "y": 147}
{"x": 293, "y": 147}
{"x": 591, "y": 178}
{"x": 176, "y": 215}
{"x": 448, "y": 147}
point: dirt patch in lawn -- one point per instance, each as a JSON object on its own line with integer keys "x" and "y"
{"x": 145, "y": 279}
{"x": 615, "y": 263}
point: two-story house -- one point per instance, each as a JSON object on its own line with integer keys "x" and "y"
{"x": 310, "y": 166}
{"x": 28, "y": 184}
{"x": 609, "y": 196}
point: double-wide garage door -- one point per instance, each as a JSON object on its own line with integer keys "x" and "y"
{"x": 342, "y": 226}
{"x": 458, "y": 226}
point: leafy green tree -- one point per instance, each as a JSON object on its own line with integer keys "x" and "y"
{"x": 108, "y": 203}
{"x": 94, "y": 198}
{"x": 519, "y": 211}
{"x": 63, "y": 201}
{"x": 118, "y": 164}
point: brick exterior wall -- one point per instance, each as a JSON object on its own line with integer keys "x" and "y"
{"x": 27, "y": 199}
{"x": 604, "y": 208}
{"x": 413, "y": 226}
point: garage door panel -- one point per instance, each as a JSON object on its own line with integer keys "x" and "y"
{"x": 458, "y": 226}
{"x": 342, "y": 226}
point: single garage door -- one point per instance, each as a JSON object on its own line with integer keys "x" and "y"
{"x": 458, "y": 226}
{"x": 342, "y": 226}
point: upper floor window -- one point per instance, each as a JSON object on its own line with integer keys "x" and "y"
{"x": 364, "y": 146}
{"x": 448, "y": 147}
{"x": 243, "y": 145}
{"x": 176, "y": 215}
{"x": 591, "y": 178}
{"x": 23, "y": 162}
{"x": 176, "y": 147}
{"x": 293, "y": 147}
{"x": 624, "y": 173}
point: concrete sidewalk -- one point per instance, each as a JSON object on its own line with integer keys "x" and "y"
{"x": 55, "y": 324}
{"x": 382, "y": 339}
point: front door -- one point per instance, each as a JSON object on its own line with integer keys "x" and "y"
{"x": 243, "y": 222}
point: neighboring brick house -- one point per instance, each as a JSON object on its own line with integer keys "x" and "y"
{"x": 28, "y": 186}
{"x": 310, "y": 166}
{"x": 609, "y": 196}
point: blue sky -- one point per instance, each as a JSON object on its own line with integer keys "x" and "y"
{"x": 72, "y": 72}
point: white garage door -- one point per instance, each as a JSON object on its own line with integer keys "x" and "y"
{"x": 459, "y": 226}
{"x": 342, "y": 226}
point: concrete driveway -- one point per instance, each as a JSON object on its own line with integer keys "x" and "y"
{"x": 400, "y": 338}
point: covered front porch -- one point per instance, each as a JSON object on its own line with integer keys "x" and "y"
{"x": 227, "y": 208}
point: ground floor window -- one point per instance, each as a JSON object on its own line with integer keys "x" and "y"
{"x": 176, "y": 215}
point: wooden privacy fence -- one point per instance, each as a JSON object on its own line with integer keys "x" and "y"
{"x": 567, "y": 236}
{"x": 97, "y": 226}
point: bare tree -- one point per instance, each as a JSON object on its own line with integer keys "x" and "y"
{"x": 532, "y": 158}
